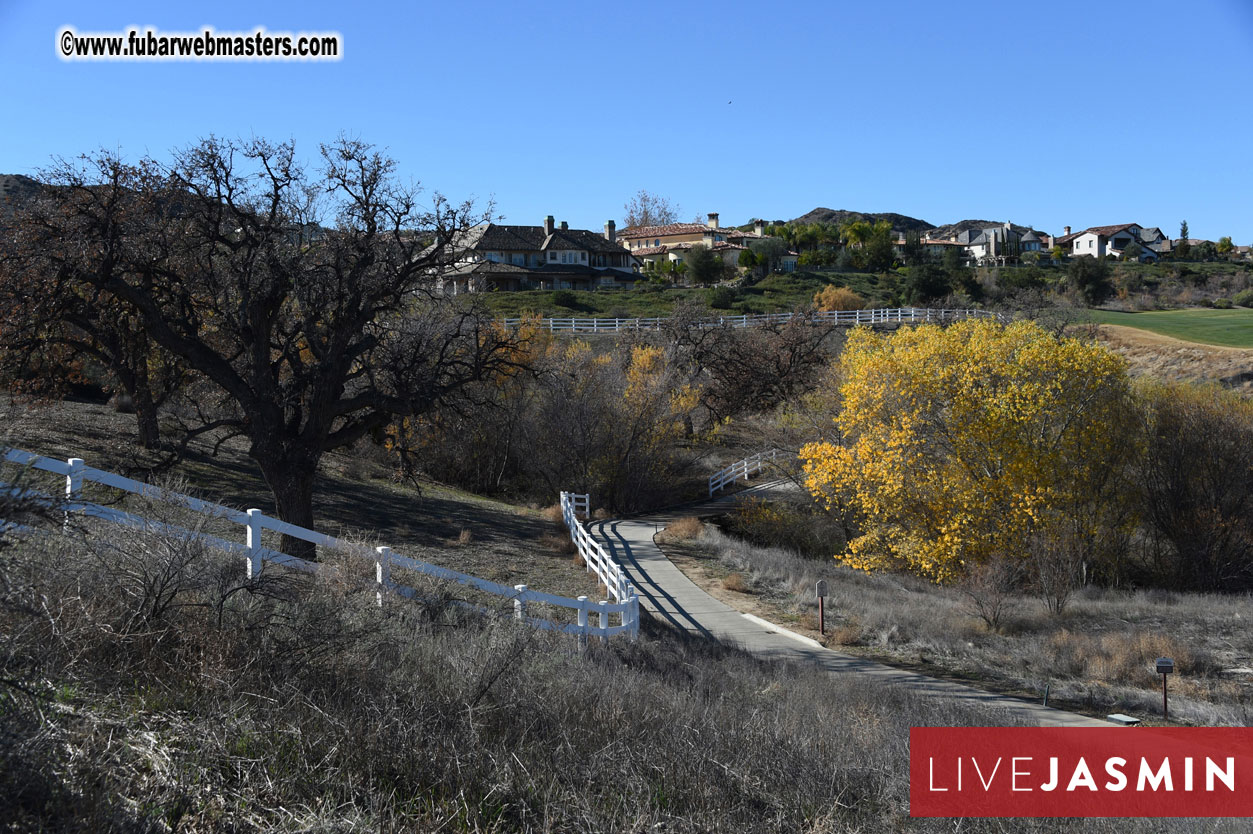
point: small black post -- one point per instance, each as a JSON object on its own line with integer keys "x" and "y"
{"x": 821, "y": 590}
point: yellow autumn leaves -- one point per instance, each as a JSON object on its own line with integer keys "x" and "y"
{"x": 958, "y": 443}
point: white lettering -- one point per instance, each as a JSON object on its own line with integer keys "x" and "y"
{"x": 1082, "y": 777}
{"x": 1227, "y": 776}
{"x": 1051, "y": 784}
{"x": 931, "y": 771}
{"x": 1015, "y": 772}
{"x": 1114, "y": 766}
{"x": 1161, "y": 777}
{"x": 987, "y": 783}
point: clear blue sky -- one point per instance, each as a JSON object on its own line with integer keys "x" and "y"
{"x": 1046, "y": 114}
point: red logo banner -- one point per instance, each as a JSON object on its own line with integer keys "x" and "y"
{"x": 1080, "y": 772}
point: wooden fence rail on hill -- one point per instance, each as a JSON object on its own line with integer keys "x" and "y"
{"x": 850, "y": 318}
{"x": 256, "y": 556}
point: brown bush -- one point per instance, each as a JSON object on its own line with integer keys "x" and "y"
{"x": 849, "y": 633}
{"x": 552, "y": 514}
{"x": 558, "y": 543}
{"x": 737, "y": 582}
{"x": 683, "y": 529}
{"x": 838, "y": 298}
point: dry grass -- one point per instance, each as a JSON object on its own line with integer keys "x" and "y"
{"x": 1161, "y": 357}
{"x": 1095, "y": 657}
{"x": 301, "y": 705}
{"x": 553, "y": 514}
{"x": 559, "y": 543}
{"x": 683, "y": 529}
{"x": 738, "y": 583}
{"x": 465, "y": 537}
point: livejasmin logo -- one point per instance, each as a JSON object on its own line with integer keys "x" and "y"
{"x": 1098, "y": 772}
{"x": 1081, "y": 774}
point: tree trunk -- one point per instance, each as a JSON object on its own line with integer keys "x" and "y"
{"x": 290, "y": 478}
{"x": 146, "y": 413}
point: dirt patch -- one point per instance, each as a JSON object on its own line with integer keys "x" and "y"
{"x": 1161, "y": 357}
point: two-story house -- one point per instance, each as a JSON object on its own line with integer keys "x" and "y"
{"x": 493, "y": 256}
{"x": 672, "y": 241}
{"x": 1112, "y": 241}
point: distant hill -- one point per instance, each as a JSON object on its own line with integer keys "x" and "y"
{"x": 15, "y": 189}
{"x": 900, "y": 222}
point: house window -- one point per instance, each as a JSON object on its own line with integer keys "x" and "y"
{"x": 582, "y": 256}
{"x": 657, "y": 242}
{"x": 552, "y": 256}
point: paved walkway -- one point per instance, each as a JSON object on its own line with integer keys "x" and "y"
{"x": 667, "y": 593}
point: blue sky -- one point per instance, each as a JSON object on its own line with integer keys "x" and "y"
{"x": 1046, "y": 114}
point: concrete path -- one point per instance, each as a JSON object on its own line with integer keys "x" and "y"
{"x": 667, "y": 593}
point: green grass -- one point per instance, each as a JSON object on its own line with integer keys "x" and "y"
{"x": 1227, "y": 328}
{"x": 773, "y": 294}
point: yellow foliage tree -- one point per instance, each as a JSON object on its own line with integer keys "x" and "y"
{"x": 831, "y": 298}
{"x": 958, "y": 444}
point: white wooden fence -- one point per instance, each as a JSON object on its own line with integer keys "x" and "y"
{"x": 901, "y": 315}
{"x": 740, "y": 469}
{"x": 254, "y": 522}
{"x": 594, "y": 555}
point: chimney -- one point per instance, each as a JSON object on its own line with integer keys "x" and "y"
{"x": 1066, "y": 230}
{"x": 564, "y": 226}
{"x": 548, "y": 225}
{"x": 759, "y": 227}
{"x": 611, "y": 232}
{"x": 713, "y": 220}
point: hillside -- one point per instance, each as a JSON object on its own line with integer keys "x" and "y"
{"x": 15, "y": 189}
{"x": 900, "y": 222}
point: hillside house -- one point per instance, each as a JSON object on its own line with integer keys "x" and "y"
{"x": 671, "y": 242}
{"x": 996, "y": 245}
{"x": 493, "y": 256}
{"x": 1112, "y": 241}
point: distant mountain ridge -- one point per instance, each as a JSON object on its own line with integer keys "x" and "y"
{"x": 901, "y": 223}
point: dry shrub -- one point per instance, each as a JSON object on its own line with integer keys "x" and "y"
{"x": 578, "y": 558}
{"x": 600, "y": 514}
{"x": 737, "y": 582}
{"x": 849, "y": 633}
{"x": 559, "y": 544}
{"x": 991, "y": 592}
{"x": 683, "y": 529}
{"x": 552, "y": 514}
{"x": 1122, "y": 657}
{"x": 465, "y": 537}
{"x": 838, "y": 298}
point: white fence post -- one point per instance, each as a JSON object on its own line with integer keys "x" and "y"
{"x": 583, "y": 622}
{"x": 73, "y": 484}
{"x": 254, "y": 543}
{"x": 604, "y": 620}
{"x": 519, "y": 603}
{"x": 382, "y": 571}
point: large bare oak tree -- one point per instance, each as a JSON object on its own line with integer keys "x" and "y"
{"x": 302, "y": 302}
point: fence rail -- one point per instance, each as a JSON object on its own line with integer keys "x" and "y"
{"x": 900, "y": 315}
{"x": 594, "y": 555}
{"x": 740, "y": 469}
{"x": 254, "y": 522}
